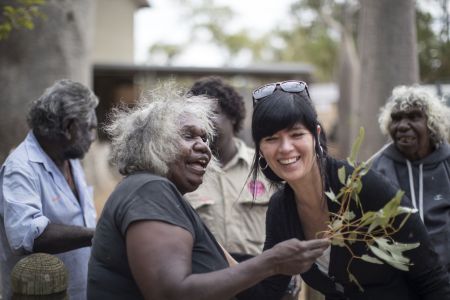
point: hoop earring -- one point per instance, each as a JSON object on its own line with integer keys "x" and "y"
{"x": 259, "y": 163}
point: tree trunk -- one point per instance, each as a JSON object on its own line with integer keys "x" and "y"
{"x": 348, "y": 81}
{"x": 388, "y": 57}
{"x": 32, "y": 60}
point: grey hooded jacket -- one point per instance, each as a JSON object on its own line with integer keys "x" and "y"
{"x": 427, "y": 183}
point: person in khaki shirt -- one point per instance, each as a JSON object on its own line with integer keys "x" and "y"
{"x": 231, "y": 204}
{"x": 227, "y": 207}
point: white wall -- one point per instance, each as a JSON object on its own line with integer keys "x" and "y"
{"x": 114, "y": 37}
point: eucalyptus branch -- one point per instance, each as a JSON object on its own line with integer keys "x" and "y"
{"x": 374, "y": 228}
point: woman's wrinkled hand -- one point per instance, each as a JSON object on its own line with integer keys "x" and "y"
{"x": 295, "y": 257}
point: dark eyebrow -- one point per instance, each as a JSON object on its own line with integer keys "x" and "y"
{"x": 298, "y": 126}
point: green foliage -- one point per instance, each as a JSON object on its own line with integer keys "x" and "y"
{"x": 433, "y": 49}
{"x": 20, "y": 15}
{"x": 374, "y": 228}
{"x": 213, "y": 18}
{"x": 208, "y": 23}
{"x": 168, "y": 50}
{"x": 311, "y": 43}
{"x": 311, "y": 38}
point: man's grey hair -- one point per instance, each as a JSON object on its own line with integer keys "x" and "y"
{"x": 65, "y": 100}
{"x": 404, "y": 98}
{"x": 147, "y": 136}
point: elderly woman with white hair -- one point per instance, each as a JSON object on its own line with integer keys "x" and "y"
{"x": 149, "y": 242}
{"x": 418, "y": 159}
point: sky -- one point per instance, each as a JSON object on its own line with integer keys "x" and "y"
{"x": 162, "y": 23}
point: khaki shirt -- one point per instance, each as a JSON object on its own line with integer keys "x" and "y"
{"x": 225, "y": 203}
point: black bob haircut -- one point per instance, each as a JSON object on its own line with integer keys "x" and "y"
{"x": 279, "y": 111}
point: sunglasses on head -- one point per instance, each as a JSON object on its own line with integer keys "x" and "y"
{"x": 290, "y": 86}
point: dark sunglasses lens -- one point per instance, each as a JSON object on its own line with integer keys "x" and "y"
{"x": 293, "y": 86}
{"x": 263, "y": 91}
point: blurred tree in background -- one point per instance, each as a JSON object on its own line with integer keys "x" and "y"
{"x": 387, "y": 47}
{"x": 31, "y": 60}
{"x": 314, "y": 35}
{"x": 433, "y": 38}
{"x": 19, "y": 14}
{"x": 367, "y": 47}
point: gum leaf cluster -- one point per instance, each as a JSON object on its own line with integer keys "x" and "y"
{"x": 374, "y": 228}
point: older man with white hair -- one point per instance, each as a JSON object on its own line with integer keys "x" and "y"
{"x": 45, "y": 203}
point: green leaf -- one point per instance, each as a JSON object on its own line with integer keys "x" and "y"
{"x": 364, "y": 168}
{"x": 357, "y": 145}
{"x": 359, "y": 186}
{"x": 338, "y": 241}
{"x": 392, "y": 252}
{"x": 367, "y": 218}
{"x": 388, "y": 259}
{"x": 352, "y": 237}
{"x": 384, "y": 216}
{"x": 355, "y": 197}
{"x": 330, "y": 194}
{"x": 336, "y": 224}
{"x": 348, "y": 215}
{"x": 371, "y": 259}
{"x": 395, "y": 247}
{"x": 341, "y": 174}
{"x": 377, "y": 221}
{"x": 355, "y": 281}
{"x": 391, "y": 208}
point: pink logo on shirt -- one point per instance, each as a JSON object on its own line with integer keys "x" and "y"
{"x": 256, "y": 188}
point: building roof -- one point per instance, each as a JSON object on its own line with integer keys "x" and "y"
{"x": 281, "y": 70}
{"x": 142, "y": 3}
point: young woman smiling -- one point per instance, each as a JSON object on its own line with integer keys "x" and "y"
{"x": 292, "y": 152}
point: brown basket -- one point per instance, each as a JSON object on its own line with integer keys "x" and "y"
{"x": 40, "y": 275}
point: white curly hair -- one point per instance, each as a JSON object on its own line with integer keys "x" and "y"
{"x": 146, "y": 137}
{"x": 404, "y": 98}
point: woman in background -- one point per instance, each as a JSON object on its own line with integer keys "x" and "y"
{"x": 418, "y": 159}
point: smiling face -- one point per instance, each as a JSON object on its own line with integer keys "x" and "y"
{"x": 187, "y": 171}
{"x": 290, "y": 152}
{"x": 410, "y": 133}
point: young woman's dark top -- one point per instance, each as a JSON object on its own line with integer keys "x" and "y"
{"x": 143, "y": 196}
{"x": 426, "y": 279}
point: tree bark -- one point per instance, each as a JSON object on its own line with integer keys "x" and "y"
{"x": 348, "y": 81}
{"x": 32, "y": 60}
{"x": 388, "y": 57}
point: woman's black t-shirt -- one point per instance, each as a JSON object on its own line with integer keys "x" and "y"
{"x": 143, "y": 196}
